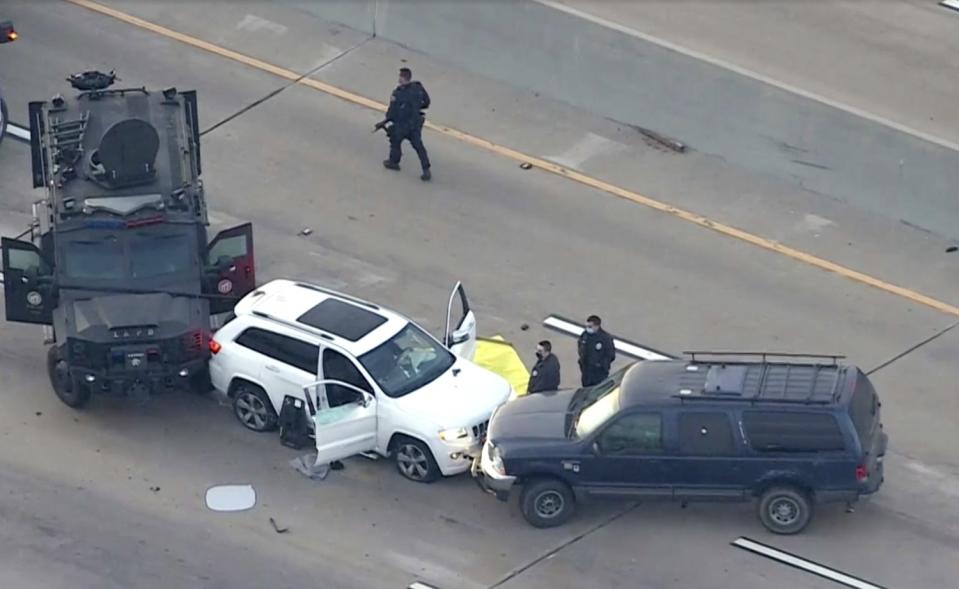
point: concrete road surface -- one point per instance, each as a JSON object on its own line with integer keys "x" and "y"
{"x": 113, "y": 496}
{"x": 895, "y": 59}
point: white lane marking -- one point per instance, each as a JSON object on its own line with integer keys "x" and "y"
{"x": 953, "y": 4}
{"x": 18, "y": 131}
{"x": 587, "y": 148}
{"x": 628, "y": 348}
{"x": 751, "y": 74}
{"x": 255, "y": 23}
{"x": 803, "y": 564}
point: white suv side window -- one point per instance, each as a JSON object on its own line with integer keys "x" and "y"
{"x": 336, "y": 366}
{"x": 293, "y": 352}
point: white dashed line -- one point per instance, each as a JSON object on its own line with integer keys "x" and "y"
{"x": 628, "y": 348}
{"x": 18, "y": 132}
{"x": 803, "y": 564}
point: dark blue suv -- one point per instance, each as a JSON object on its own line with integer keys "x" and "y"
{"x": 786, "y": 434}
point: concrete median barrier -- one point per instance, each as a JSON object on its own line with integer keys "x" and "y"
{"x": 849, "y": 155}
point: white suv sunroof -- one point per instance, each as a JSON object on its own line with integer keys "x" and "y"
{"x": 342, "y": 319}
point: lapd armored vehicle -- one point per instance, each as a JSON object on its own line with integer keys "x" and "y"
{"x": 117, "y": 267}
{"x": 7, "y": 35}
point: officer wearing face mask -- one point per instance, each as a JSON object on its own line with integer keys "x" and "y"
{"x": 545, "y": 374}
{"x": 596, "y": 352}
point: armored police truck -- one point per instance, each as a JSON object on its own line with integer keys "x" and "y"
{"x": 117, "y": 268}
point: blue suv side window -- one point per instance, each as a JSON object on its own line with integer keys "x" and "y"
{"x": 706, "y": 434}
{"x": 792, "y": 431}
{"x": 638, "y": 433}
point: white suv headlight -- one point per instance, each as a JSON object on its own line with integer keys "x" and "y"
{"x": 454, "y": 434}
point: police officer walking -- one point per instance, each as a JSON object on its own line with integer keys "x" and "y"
{"x": 404, "y": 121}
{"x": 545, "y": 374}
{"x": 596, "y": 352}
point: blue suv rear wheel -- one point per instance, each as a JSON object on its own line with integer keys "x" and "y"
{"x": 785, "y": 510}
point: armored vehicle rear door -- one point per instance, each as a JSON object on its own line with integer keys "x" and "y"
{"x": 27, "y": 283}
{"x": 230, "y": 270}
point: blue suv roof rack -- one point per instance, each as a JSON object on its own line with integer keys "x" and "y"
{"x": 763, "y": 380}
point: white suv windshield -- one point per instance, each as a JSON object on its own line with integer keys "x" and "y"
{"x": 407, "y": 361}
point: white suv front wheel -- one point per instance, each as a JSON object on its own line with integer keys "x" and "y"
{"x": 414, "y": 460}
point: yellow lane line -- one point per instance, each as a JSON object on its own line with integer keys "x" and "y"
{"x": 536, "y": 162}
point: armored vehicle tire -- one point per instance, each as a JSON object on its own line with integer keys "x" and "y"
{"x": 3, "y": 119}
{"x": 414, "y": 460}
{"x": 547, "y": 503}
{"x": 199, "y": 383}
{"x": 73, "y": 394}
{"x": 253, "y": 408}
{"x": 785, "y": 510}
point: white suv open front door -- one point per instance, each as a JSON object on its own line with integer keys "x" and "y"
{"x": 345, "y": 430}
{"x": 460, "y": 335}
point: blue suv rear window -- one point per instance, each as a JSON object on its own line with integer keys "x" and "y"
{"x": 792, "y": 431}
{"x": 864, "y": 408}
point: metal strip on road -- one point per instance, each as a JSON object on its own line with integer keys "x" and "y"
{"x": 18, "y": 132}
{"x": 626, "y": 347}
{"x": 800, "y": 563}
{"x": 953, "y": 4}
{"x": 539, "y": 163}
{"x": 419, "y": 585}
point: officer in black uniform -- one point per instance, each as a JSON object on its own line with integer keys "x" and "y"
{"x": 545, "y": 374}
{"x": 404, "y": 121}
{"x": 596, "y": 352}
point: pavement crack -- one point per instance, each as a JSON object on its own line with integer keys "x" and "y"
{"x": 523, "y": 568}
{"x": 913, "y": 348}
{"x": 299, "y": 79}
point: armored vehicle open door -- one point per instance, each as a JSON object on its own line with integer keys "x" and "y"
{"x": 230, "y": 273}
{"x": 28, "y": 291}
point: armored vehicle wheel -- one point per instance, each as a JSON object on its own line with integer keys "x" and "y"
{"x": 73, "y": 394}
{"x": 200, "y": 382}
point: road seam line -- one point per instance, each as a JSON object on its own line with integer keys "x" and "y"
{"x": 547, "y": 555}
{"x": 913, "y": 348}
{"x": 754, "y": 75}
{"x": 694, "y": 218}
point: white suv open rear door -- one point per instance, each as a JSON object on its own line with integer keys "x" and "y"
{"x": 343, "y": 431}
{"x": 460, "y": 334}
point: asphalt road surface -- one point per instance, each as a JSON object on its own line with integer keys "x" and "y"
{"x": 113, "y": 496}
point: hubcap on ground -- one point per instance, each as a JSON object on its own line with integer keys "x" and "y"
{"x": 412, "y": 461}
{"x": 251, "y": 410}
{"x": 549, "y": 504}
{"x": 784, "y": 511}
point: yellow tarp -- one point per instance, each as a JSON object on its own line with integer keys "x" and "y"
{"x": 498, "y": 355}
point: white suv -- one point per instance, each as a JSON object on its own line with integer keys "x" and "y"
{"x": 373, "y": 380}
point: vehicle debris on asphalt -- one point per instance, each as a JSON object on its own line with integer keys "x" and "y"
{"x": 230, "y": 497}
